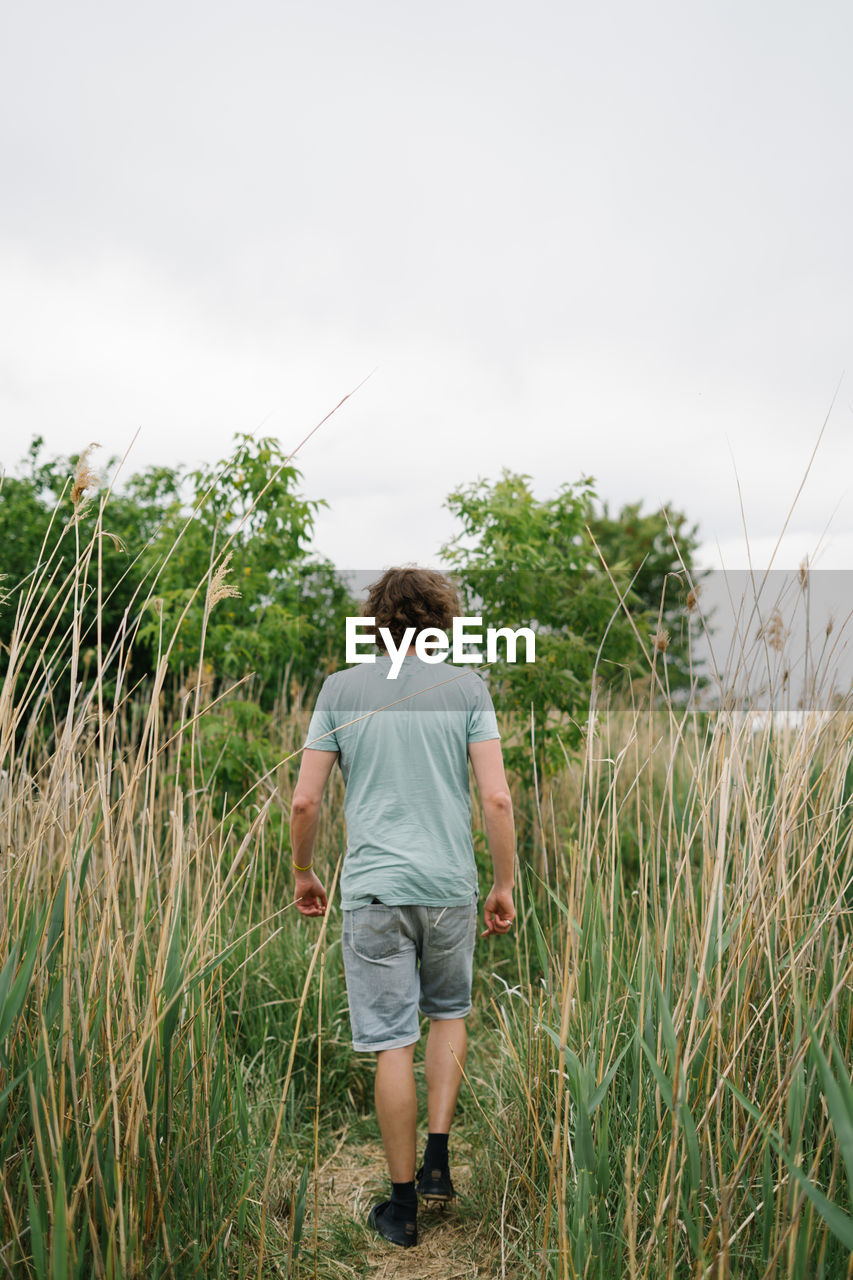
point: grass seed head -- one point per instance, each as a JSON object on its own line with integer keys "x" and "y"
{"x": 662, "y": 639}
{"x": 219, "y": 589}
{"x": 84, "y": 478}
{"x": 774, "y": 631}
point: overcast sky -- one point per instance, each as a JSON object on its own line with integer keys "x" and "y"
{"x": 609, "y": 240}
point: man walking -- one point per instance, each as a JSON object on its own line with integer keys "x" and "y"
{"x": 409, "y": 882}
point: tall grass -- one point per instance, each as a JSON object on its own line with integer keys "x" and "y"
{"x": 671, "y": 1025}
{"x": 136, "y": 1083}
{"x": 676, "y": 1034}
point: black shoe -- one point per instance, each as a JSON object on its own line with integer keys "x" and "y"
{"x": 435, "y": 1187}
{"x": 404, "y": 1234}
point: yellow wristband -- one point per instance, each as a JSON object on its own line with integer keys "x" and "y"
{"x": 308, "y": 868}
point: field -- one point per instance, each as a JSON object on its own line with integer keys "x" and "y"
{"x": 659, "y": 1079}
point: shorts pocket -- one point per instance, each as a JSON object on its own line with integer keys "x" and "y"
{"x": 376, "y": 932}
{"x": 452, "y": 927}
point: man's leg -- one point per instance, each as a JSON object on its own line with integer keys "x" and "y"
{"x": 445, "y": 974}
{"x": 397, "y": 1109}
{"x": 397, "y": 1112}
{"x": 445, "y": 1056}
{"x": 380, "y": 962}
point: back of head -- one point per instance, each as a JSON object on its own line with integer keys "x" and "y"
{"x": 411, "y": 597}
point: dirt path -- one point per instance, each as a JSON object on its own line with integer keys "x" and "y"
{"x": 450, "y": 1246}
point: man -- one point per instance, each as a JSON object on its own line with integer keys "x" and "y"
{"x": 409, "y": 881}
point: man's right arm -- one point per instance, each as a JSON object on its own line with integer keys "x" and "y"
{"x": 487, "y": 762}
{"x": 314, "y": 772}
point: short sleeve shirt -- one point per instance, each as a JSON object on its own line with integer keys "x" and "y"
{"x": 403, "y": 748}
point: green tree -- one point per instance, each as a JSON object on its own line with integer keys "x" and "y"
{"x": 519, "y": 562}
{"x": 145, "y": 557}
{"x": 655, "y": 552}
{"x": 524, "y": 562}
{"x": 281, "y": 609}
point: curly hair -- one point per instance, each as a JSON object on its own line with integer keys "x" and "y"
{"x": 412, "y": 597}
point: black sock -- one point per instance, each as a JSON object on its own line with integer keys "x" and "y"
{"x": 435, "y": 1155}
{"x": 404, "y": 1201}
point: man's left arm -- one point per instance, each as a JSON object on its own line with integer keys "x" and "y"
{"x": 314, "y": 773}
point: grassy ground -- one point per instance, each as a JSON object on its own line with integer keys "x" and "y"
{"x": 352, "y": 1175}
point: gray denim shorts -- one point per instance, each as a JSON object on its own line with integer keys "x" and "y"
{"x": 399, "y": 960}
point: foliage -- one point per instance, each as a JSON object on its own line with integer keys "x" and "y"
{"x": 659, "y": 1084}
{"x": 672, "y": 1049}
{"x": 156, "y": 546}
{"x": 135, "y": 1089}
{"x": 521, "y": 561}
{"x": 286, "y": 611}
{"x": 655, "y": 553}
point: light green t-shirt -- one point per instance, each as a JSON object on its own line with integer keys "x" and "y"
{"x": 405, "y": 767}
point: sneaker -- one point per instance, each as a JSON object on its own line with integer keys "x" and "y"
{"x": 434, "y": 1186}
{"x": 404, "y": 1234}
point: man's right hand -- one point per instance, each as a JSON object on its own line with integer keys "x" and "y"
{"x": 498, "y": 912}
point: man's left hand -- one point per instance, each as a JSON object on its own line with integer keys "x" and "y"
{"x": 310, "y": 895}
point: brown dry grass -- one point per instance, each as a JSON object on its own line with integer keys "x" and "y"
{"x": 452, "y": 1243}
